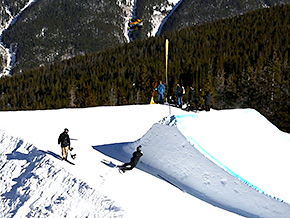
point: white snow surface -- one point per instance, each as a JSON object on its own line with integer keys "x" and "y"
{"x": 228, "y": 163}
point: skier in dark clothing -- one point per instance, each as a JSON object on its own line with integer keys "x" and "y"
{"x": 207, "y": 101}
{"x": 64, "y": 142}
{"x": 134, "y": 160}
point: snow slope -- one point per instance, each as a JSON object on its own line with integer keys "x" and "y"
{"x": 35, "y": 183}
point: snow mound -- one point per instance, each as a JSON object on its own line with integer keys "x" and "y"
{"x": 33, "y": 185}
{"x": 171, "y": 157}
{"x": 231, "y": 137}
{"x": 176, "y": 150}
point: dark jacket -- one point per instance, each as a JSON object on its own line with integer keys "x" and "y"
{"x": 178, "y": 91}
{"x": 191, "y": 96}
{"x": 64, "y": 139}
{"x": 135, "y": 158}
{"x": 207, "y": 99}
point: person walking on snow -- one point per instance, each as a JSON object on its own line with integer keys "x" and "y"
{"x": 134, "y": 160}
{"x": 160, "y": 89}
{"x": 64, "y": 142}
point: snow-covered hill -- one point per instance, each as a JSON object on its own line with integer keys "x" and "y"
{"x": 233, "y": 159}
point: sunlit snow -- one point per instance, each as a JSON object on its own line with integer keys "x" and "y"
{"x": 227, "y": 163}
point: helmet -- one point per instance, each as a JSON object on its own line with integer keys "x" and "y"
{"x": 139, "y": 148}
{"x": 66, "y": 130}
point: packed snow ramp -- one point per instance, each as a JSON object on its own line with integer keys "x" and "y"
{"x": 217, "y": 161}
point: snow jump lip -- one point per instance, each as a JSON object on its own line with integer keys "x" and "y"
{"x": 196, "y": 185}
{"x": 219, "y": 163}
{"x": 256, "y": 130}
{"x": 177, "y": 157}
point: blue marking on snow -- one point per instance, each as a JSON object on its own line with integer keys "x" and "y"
{"x": 212, "y": 158}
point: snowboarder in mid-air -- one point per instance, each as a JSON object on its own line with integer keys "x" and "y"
{"x": 134, "y": 160}
{"x": 64, "y": 142}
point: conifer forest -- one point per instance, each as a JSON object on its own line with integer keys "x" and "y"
{"x": 242, "y": 61}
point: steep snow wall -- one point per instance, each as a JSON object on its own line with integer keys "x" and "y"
{"x": 171, "y": 157}
{"x": 249, "y": 140}
{"x": 222, "y": 161}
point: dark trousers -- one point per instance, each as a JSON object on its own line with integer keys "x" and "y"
{"x": 125, "y": 166}
{"x": 207, "y": 107}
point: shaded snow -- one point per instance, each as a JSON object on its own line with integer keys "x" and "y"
{"x": 174, "y": 178}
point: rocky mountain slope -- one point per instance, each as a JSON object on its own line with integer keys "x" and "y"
{"x": 53, "y": 30}
{"x": 190, "y": 13}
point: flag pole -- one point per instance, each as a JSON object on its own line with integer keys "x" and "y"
{"x": 166, "y": 70}
{"x": 166, "y": 59}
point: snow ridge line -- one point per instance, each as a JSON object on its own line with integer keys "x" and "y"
{"x": 173, "y": 121}
{"x": 220, "y": 164}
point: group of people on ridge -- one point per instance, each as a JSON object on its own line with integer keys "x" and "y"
{"x": 180, "y": 93}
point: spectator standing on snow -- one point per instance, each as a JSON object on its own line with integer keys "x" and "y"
{"x": 207, "y": 101}
{"x": 64, "y": 142}
{"x": 134, "y": 160}
{"x": 191, "y": 98}
{"x": 182, "y": 93}
{"x": 178, "y": 95}
{"x": 160, "y": 89}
